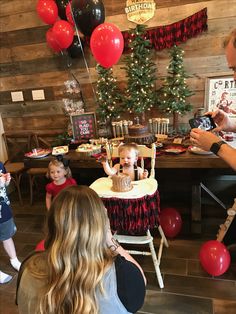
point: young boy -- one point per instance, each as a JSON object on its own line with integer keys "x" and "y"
{"x": 7, "y": 225}
{"x": 128, "y": 154}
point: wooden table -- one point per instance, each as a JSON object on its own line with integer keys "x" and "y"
{"x": 185, "y": 160}
{"x": 198, "y": 166}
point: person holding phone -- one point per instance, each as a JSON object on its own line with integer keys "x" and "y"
{"x": 209, "y": 141}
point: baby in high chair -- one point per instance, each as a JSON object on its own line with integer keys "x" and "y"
{"x": 128, "y": 154}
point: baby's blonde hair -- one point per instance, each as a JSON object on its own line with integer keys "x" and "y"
{"x": 129, "y": 147}
{"x": 59, "y": 164}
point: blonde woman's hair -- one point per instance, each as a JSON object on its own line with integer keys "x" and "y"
{"x": 58, "y": 163}
{"x": 77, "y": 253}
{"x": 231, "y": 36}
{"x": 129, "y": 147}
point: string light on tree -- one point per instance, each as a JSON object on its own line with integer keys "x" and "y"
{"x": 140, "y": 94}
{"x": 172, "y": 95}
{"x": 109, "y": 95}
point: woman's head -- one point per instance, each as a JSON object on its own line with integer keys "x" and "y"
{"x": 77, "y": 216}
{"x": 76, "y": 249}
{"x": 128, "y": 154}
{"x": 56, "y": 168}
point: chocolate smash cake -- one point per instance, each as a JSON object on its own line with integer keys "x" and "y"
{"x": 121, "y": 183}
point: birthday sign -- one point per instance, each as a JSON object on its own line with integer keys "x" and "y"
{"x": 140, "y": 11}
{"x": 84, "y": 125}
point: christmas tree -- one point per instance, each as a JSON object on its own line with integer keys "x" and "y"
{"x": 108, "y": 94}
{"x": 140, "y": 93}
{"x": 172, "y": 95}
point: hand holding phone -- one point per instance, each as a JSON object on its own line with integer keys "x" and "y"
{"x": 204, "y": 122}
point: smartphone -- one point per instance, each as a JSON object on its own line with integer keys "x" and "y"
{"x": 204, "y": 122}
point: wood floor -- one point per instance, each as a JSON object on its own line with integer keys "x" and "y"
{"x": 188, "y": 289}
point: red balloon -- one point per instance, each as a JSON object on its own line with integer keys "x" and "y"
{"x": 214, "y": 257}
{"x": 47, "y": 11}
{"x": 107, "y": 44}
{"x": 69, "y": 14}
{"x": 64, "y": 33}
{"x": 52, "y": 42}
{"x": 171, "y": 222}
{"x": 40, "y": 246}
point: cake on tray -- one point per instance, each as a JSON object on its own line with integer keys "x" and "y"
{"x": 86, "y": 150}
{"x": 138, "y": 130}
{"x": 121, "y": 183}
{"x": 139, "y": 134}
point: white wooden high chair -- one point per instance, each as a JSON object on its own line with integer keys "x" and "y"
{"x": 140, "y": 188}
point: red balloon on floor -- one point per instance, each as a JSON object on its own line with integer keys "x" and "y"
{"x": 171, "y": 222}
{"x": 214, "y": 257}
{"x": 40, "y": 246}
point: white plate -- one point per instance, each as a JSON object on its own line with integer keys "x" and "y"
{"x": 199, "y": 151}
{"x": 60, "y": 150}
{"x": 38, "y": 156}
{"x": 174, "y": 150}
{"x": 40, "y": 153}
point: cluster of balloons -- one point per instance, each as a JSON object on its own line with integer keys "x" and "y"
{"x": 88, "y": 17}
{"x": 170, "y": 221}
{"x": 64, "y": 15}
{"x": 214, "y": 257}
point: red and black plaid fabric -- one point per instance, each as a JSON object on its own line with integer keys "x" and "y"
{"x": 169, "y": 35}
{"x": 133, "y": 215}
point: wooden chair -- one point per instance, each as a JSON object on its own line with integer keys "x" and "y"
{"x": 144, "y": 152}
{"x": 16, "y": 145}
{"x": 34, "y": 173}
{"x": 228, "y": 221}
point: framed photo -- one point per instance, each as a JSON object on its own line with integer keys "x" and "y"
{"x": 84, "y": 125}
{"x": 220, "y": 93}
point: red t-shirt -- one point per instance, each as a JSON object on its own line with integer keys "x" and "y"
{"x": 53, "y": 189}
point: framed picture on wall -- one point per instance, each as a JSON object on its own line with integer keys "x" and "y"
{"x": 84, "y": 126}
{"x": 220, "y": 93}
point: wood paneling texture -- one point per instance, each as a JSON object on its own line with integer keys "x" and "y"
{"x": 26, "y": 63}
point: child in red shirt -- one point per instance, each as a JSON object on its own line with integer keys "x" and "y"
{"x": 60, "y": 174}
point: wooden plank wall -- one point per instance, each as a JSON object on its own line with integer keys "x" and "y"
{"x": 28, "y": 64}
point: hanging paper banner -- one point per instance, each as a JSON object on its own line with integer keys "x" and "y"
{"x": 140, "y": 11}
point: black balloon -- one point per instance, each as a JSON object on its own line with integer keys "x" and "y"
{"x": 61, "y": 4}
{"x": 88, "y": 14}
{"x": 75, "y": 49}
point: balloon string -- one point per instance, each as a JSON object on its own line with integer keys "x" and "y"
{"x": 69, "y": 63}
{"x": 86, "y": 64}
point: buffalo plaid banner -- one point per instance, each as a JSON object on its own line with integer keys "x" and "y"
{"x": 167, "y": 36}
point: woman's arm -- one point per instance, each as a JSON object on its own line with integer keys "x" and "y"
{"x": 48, "y": 200}
{"x": 205, "y": 139}
{"x": 116, "y": 248}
